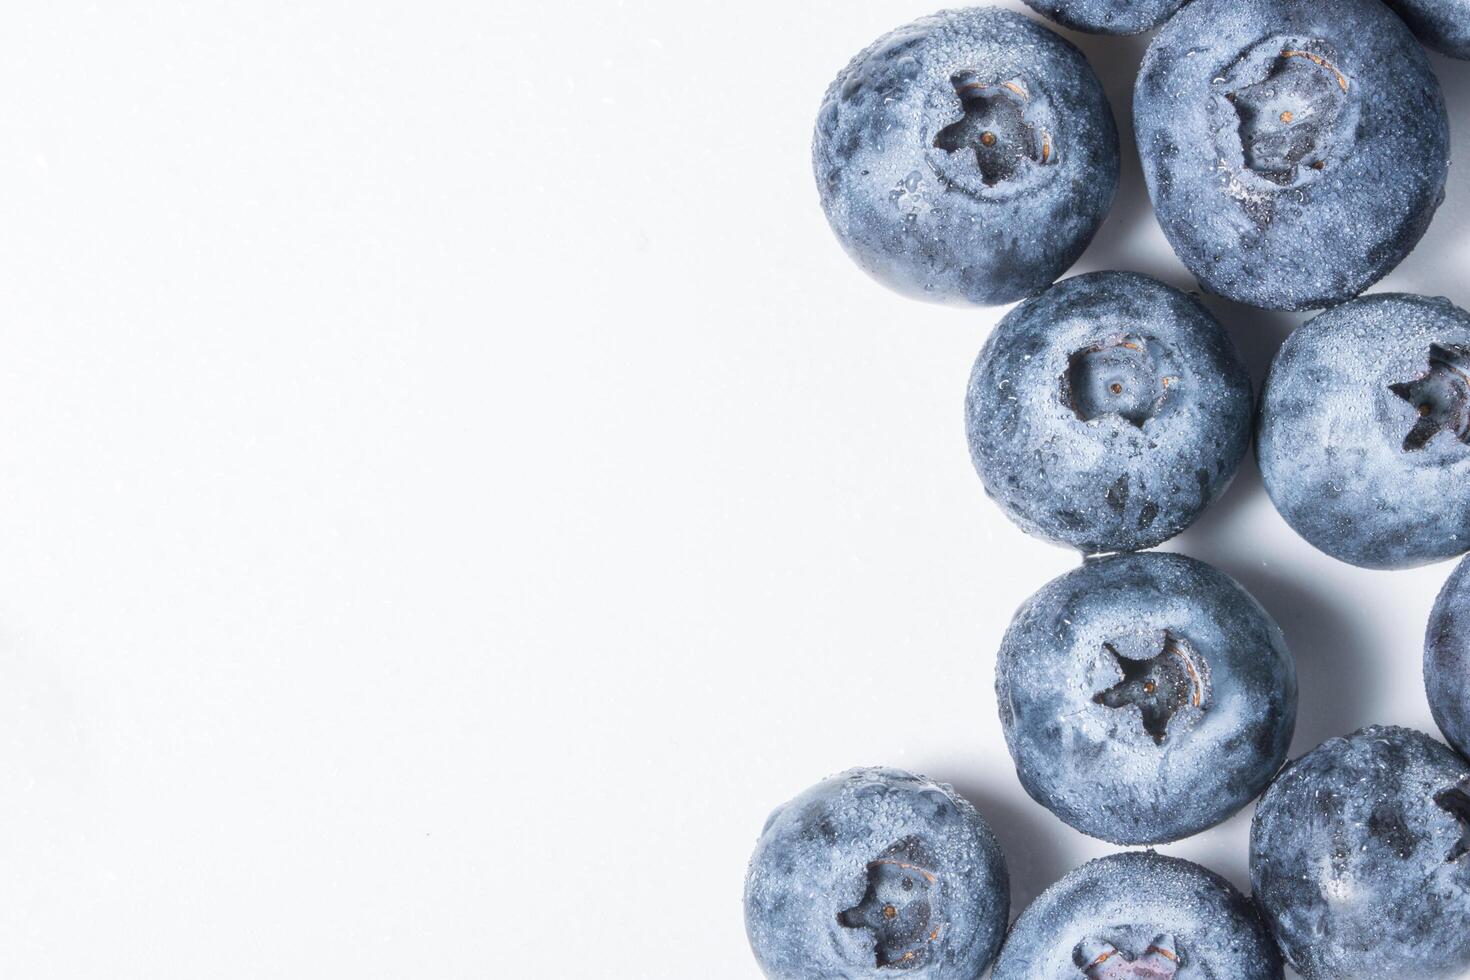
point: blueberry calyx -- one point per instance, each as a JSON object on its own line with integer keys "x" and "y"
{"x": 1441, "y": 397}
{"x": 996, "y": 138}
{"x": 1284, "y": 117}
{"x": 1160, "y": 686}
{"x": 898, "y": 906}
{"x": 1128, "y": 376}
{"x": 995, "y": 128}
{"x": 1287, "y": 102}
{"x": 1101, "y": 960}
{"x": 1456, "y": 802}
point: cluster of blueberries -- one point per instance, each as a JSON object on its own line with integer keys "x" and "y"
{"x": 1295, "y": 152}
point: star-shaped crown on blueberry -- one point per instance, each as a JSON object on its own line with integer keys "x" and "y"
{"x": 899, "y": 906}
{"x": 1441, "y": 397}
{"x": 995, "y": 128}
{"x": 1160, "y": 686}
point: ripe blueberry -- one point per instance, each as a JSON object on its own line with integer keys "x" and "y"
{"x": 1295, "y": 150}
{"x": 1447, "y": 659}
{"x": 1139, "y": 916}
{"x": 969, "y": 155}
{"x": 873, "y": 873}
{"x": 1107, "y": 413}
{"x": 1364, "y": 434}
{"x": 1359, "y": 858}
{"x": 1145, "y": 697}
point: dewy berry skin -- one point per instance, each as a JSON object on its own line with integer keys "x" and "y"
{"x": 1295, "y": 151}
{"x": 968, "y": 156}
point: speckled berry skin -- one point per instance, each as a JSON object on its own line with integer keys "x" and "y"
{"x": 1295, "y": 150}
{"x": 1363, "y": 430}
{"x": 1358, "y": 858}
{"x": 1443, "y": 25}
{"x": 1108, "y": 413}
{"x": 1447, "y": 659}
{"x": 1108, "y": 16}
{"x": 1140, "y": 916}
{"x": 872, "y": 874}
{"x": 970, "y": 155}
{"x": 1145, "y": 697}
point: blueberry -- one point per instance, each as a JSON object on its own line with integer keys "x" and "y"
{"x": 1447, "y": 659}
{"x": 970, "y": 155}
{"x": 1108, "y": 16}
{"x": 1145, "y": 697}
{"x": 1139, "y": 916}
{"x": 876, "y": 873}
{"x": 1295, "y": 150}
{"x": 1359, "y": 857}
{"x": 1364, "y": 435}
{"x": 1443, "y": 25}
{"x": 1108, "y": 412}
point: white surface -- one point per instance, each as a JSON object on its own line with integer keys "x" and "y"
{"x": 453, "y": 486}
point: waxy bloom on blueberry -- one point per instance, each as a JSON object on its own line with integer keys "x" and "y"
{"x": 1364, "y": 435}
{"x": 1108, "y": 16}
{"x": 1139, "y": 916}
{"x": 1145, "y": 697}
{"x": 970, "y": 155}
{"x": 1447, "y": 659}
{"x": 872, "y": 873}
{"x": 1108, "y": 413}
{"x": 1295, "y": 150}
{"x": 1359, "y": 857}
{"x": 1443, "y": 25}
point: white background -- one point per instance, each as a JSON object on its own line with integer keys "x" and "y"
{"x": 453, "y": 486}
